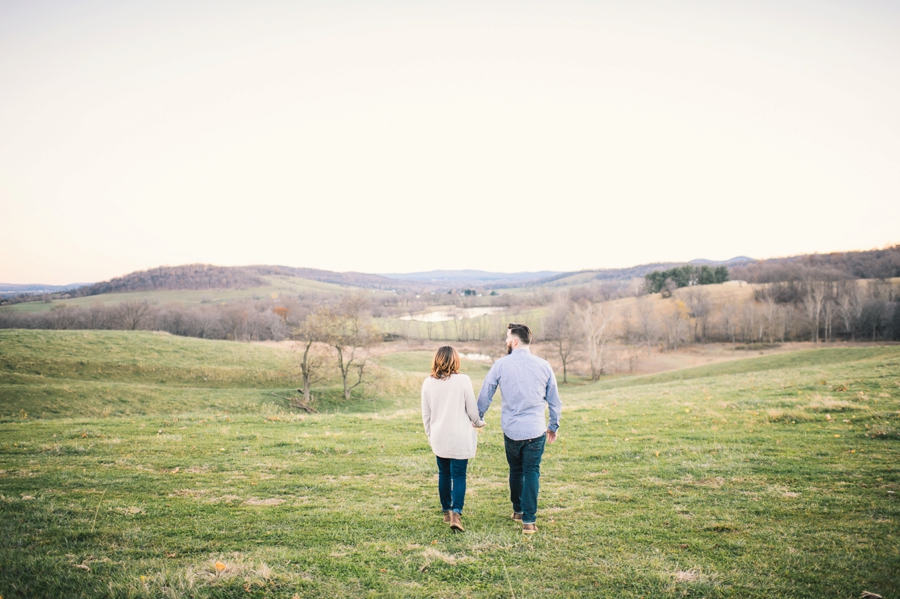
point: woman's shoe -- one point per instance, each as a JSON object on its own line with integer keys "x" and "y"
{"x": 447, "y": 517}
{"x": 456, "y": 522}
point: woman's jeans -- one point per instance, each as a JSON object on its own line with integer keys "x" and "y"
{"x": 452, "y": 483}
{"x": 524, "y": 458}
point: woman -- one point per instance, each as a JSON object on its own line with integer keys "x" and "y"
{"x": 449, "y": 412}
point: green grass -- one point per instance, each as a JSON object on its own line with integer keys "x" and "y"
{"x": 51, "y": 374}
{"x": 765, "y": 477}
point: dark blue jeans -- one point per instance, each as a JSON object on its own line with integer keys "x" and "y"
{"x": 452, "y": 483}
{"x": 524, "y": 458}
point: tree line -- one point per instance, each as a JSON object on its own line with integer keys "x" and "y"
{"x": 599, "y": 336}
{"x": 666, "y": 281}
{"x": 237, "y": 321}
{"x": 870, "y": 264}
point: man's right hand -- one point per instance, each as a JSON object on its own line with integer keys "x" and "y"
{"x": 551, "y": 437}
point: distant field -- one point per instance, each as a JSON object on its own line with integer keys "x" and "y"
{"x": 279, "y": 286}
{"x": 774, "y": 476}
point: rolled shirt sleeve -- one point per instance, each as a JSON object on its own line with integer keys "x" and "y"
{"x": 553, "y": 402}
{"x": 488, "y": 388}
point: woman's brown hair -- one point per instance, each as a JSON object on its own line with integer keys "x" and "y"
{"x": 445, "y": 362}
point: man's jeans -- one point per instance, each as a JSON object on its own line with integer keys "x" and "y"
{"x": 524, "y": 458}
{"x": 452, "y": 483}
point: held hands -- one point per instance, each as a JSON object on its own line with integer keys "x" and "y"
{"x": 478, "y": 424}
{"x": 551, "y": 436}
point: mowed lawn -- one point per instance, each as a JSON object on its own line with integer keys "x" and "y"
{"x": 768, "y": 477}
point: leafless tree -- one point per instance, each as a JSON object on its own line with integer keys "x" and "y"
{"x": 347, "y": 329}
{"x": 133, "y": 312}
{"x": 828, "y": 311}
{"x": 676, "y": 325}
{"x": 562, "y": 330}
{"x": 647, "y": 325}
{"x": 729, "y": 316}
{"x": 770, "y": 314}
{"x": 849, "y": 305}
{"x": 235, "y": 319}
{"x": 312, "y": 330}
{"x": 699, "y": 307}
{"x": 62, "y": 317}
{"x": 813, "y": 301}
{"x": 876, "y": 317}
{"x": 596, "y": 334}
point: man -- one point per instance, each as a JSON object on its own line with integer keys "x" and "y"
{"x": 528, "y": 385}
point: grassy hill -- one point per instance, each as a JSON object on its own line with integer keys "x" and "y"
{"x": 274, "y": 286}
{"x": 774, "y": 476}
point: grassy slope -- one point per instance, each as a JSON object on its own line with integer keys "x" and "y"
{"x": 773, "y": 476}
{"x": 277, "y": 285}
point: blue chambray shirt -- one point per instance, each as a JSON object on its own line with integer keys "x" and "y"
{"x": 528, "y": 385}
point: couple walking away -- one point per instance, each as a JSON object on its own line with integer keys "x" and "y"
{"x": 451, "y": 414}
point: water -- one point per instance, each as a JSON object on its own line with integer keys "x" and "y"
{"x": 477, "y": 357}
{"x": 452, "y": 314}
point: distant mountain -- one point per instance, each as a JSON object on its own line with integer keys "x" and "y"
{"x": 883, "y": 263}
{"x": 208, "y": 276}
{"x": 189, "y": 276}
{"x": 472, "y": 277}
{"x": 12, "y": 289}
{"x": 734, "y": 261}
{"x": 868, "y": 264}
{"x": 355, "y": 279}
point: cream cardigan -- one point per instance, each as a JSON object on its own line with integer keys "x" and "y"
{"x": 449, "y": 410}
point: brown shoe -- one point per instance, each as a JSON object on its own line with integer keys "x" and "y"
{"x": 529, "y": 529}
{"x": 516, "y": 516}
{"x": 456, "y": 522}
{"x": 447, "y": 517}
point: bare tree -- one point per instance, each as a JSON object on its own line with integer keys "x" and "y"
{"x": 596, "y": 334}
{"x": 347, "y": 329}
{"x": 676, "y": 325}
{"x": 849, "y": 305}
{"x": 647, "y": 325}
{"x": 729, "y": 316}
{"x": 132, "y": 313}
{"x": 876, "y": 317}
{"x": 828, "y": 310}
{"x": 62, "y": 317}
{"x": 310, "y": 331}
{"x": 813, "y": 300}
{"x": 235, "y": 319}
{"x": 561, "y": 328}
{"x": 699, "y": 306}
{"x": 770, "y": 315}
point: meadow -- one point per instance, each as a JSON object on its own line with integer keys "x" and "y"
{"x": 278, "y": 286}
{"x": 136, "y": 464}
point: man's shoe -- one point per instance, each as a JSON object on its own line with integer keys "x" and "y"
{"x": 516, "y": 516}
{"x": 447, "y": 517}
{"x": 529, "y": 529}
{"x": 456, "y": 522}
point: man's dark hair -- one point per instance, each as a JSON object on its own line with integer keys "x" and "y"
{"x": 521, "y": 331}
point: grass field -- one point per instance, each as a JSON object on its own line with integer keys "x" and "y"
{"x": 154, "y": 466}
{"x": 277, "y": 286}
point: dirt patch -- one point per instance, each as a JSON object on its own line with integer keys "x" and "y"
{"x": 686, "y": 575}
{"x": 269, "y": 501}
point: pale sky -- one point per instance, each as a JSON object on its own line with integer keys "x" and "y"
{"x": 405, "y": 136}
